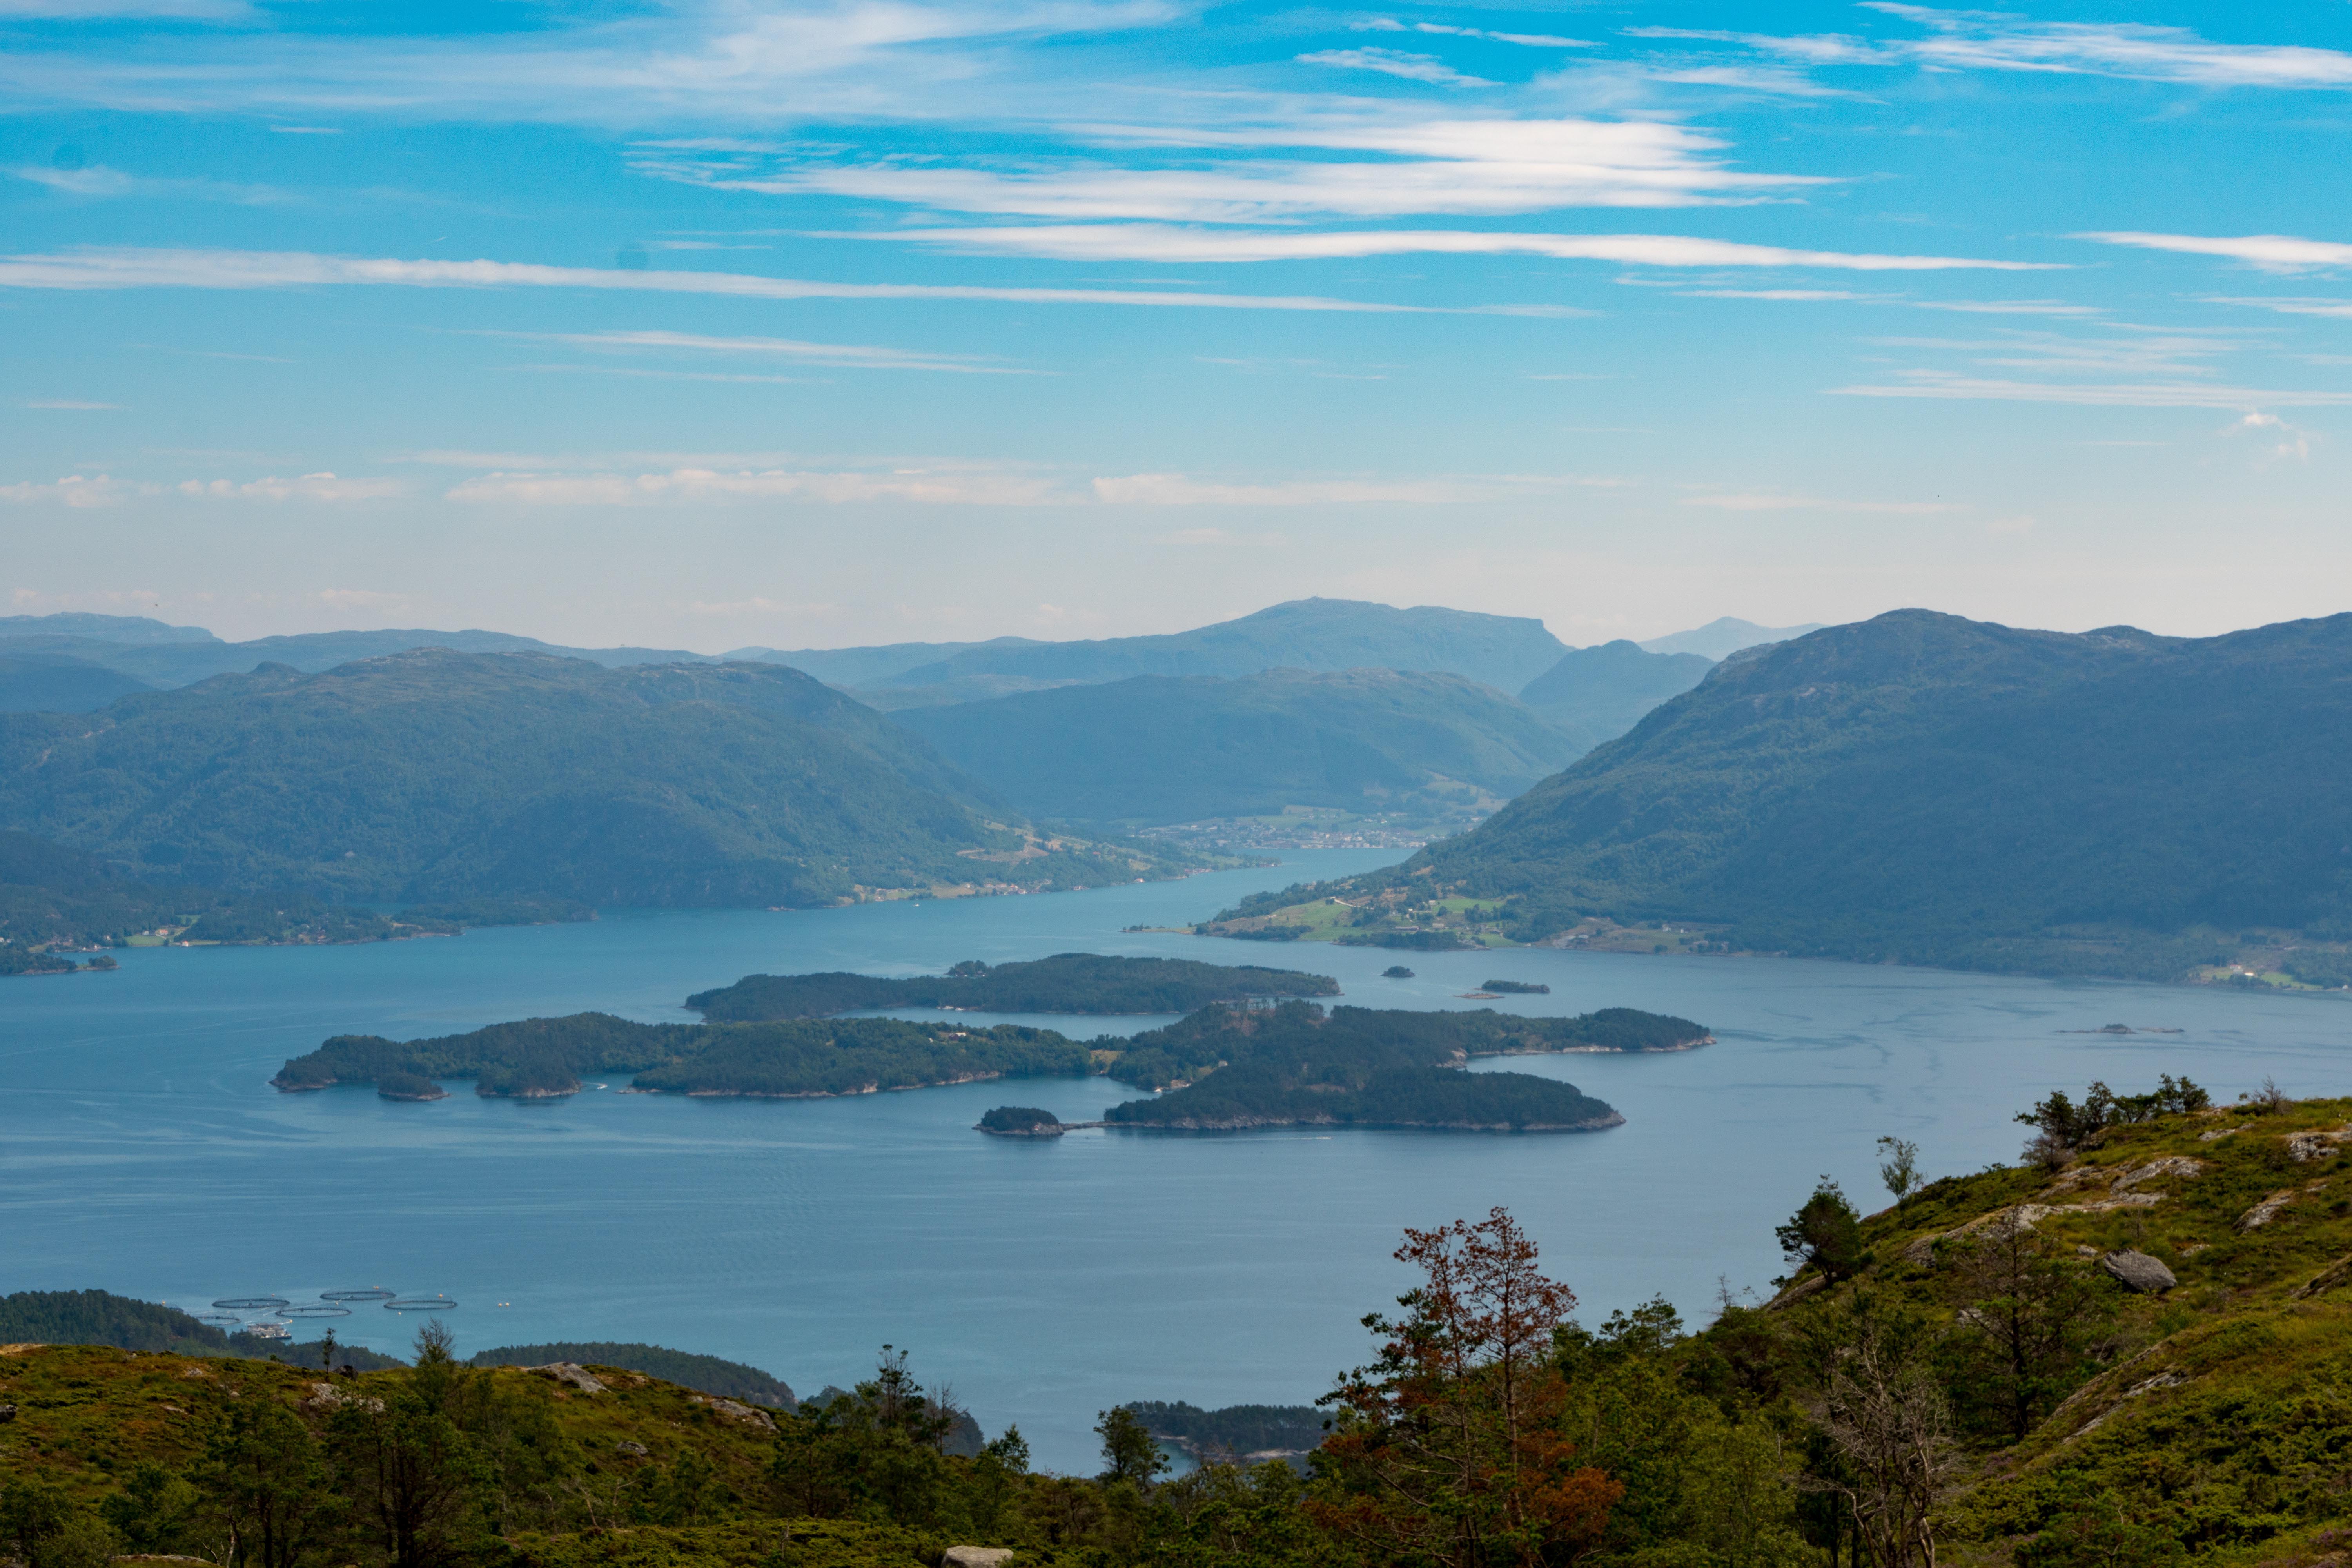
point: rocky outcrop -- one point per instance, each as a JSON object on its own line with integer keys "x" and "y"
{"x": 2304, "y": 1147}
{"x": 2327, "y": 1278}
{"x": 630, "y": 1450}
{"x": 569, "y": 1371}
{"x": 748, "y": 1414}
{"x": 2137, "y": 1271}
{"x": 2263, "y": 1213}
{"x": 975, "y": 1557}
{"x": 1810, "y": 1285}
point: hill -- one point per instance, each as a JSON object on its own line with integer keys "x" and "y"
{"x": 1719, "y": 639}
{"x": 167, "y": 656}
{"x": 55, "y": 902}
{"x": 103, "y": 1318}
{"x": 1927, "y": 789}
{"x": 59, "y": 683}
{"x": 1596, "y": 694}
{"x": 1163, "y": 748}
{"x": 1501, "y": 651}
{"x": 1066, "y": 983}
{"x": 872, "y": 666}
{"x": 439, "y": 776}
{"x": 707, "y": 1373}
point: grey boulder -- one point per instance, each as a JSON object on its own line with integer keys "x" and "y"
{"x": 2138, "y": 1271}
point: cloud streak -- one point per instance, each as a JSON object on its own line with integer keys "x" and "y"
{"x": 1160, "y": 242}
{"x": 2270, "y": 252}
{"x": 240, "y": 269}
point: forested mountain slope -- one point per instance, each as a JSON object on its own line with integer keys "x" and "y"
{"x": 1936, "y": 790}
{"x": 1596, "y": 694}
{"x": 1161, "y": 748}
{"x": 437, "y": 774}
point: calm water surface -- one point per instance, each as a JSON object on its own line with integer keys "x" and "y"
{"x": 142, "y": 1150}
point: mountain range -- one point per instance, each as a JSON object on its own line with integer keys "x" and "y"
{"x": 1936, "y": 790}
{"x": 439, "y": 775}
{"x": 1173, "y": 749}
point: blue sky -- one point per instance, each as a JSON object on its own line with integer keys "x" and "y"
{"x": 705, "y": 324}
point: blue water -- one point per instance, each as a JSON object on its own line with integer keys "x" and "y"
{"x": 142, "y": 1150}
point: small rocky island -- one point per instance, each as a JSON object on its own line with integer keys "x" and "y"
{"x": 1022, "y": 1122}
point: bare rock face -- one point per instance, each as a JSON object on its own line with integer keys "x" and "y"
{"x": 975, "y": 1557}
{"x": 632, "y": 1450}
{"x": 2263, "y": 1213}
{"x": 732, "y": 1411}
{"x": 570, "y": 1371}
{"x": 2137, "y": 1271}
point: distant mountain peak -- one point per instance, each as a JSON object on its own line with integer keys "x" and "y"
{"x": 1725, "y": 636}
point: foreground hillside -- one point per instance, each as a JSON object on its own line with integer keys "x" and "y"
{"x": 447, "y": 775}
{"x": 2134, "y": 1351}
{"x": 1926, "y": 789}
{"x": 1157, "y": 749}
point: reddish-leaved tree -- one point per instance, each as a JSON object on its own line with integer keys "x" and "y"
{"x": 1449, "y": 1449}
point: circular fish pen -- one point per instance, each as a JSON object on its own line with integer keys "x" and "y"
{"x": 219, "y": 1319}
{"x": 373, "y": 1293}
{"x": 251, "y": 1303}
{"x": 419, "y": 1304}
{"x": 318, "y": 1311}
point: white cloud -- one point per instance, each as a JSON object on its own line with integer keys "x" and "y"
{"x": 710, "y": 485}
{"x": 157, "y": 268}
{"x": 98, "y": 10}
{"x": 850, "y": 356}
{"x": 97, "y": 181}
{"x": 2126, "y": 394}
{"x": 308, "y": 487}
{"x": 2341, "y": 309}
{"x": 1991, "y": 40}
{"x": 74, "y": 490}
{"x": 1396, "y": 63}
{"x": 2270, "y": 252}
{"x": 1485, "y": 166}
{"x": 1526, "y": 41}
{"x": 1165, "y": 242}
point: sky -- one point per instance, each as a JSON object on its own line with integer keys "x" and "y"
{"x": 715, "y": 323}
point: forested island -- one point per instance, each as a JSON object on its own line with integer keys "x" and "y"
{"x": 1294, "y": 1064}
{"x": 1355, "y": 1052}
{"x": 1066, "y": 983}
{"x": 791, "y": 1059}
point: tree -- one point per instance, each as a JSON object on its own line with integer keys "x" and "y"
{"x": 1448, "y": 1447}
{"x": 1889, "y": 1426}
{"x": 264, "y": 1481}
{"x": 1900, "y": 1169}
{"x": 1825, "y": 1234}
{"x": 327, "y": 1348}
{"x": 407, "y": 1463}
{"x": 152, "y": 1510}
{"x": 2029, "y": 1322}
{"x": 1129, "y": 1452}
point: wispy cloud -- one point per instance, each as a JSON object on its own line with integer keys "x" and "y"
{"x": 1279, "y": 173}
{"x": 144, "y": 268}
{"x": 2119, "y": 395}
{"x": 710, "y": 485}
{"x": 1992, "y": 40}
{"x": 2270, "y": 252}
{"x": 843, "y": 356}
{"x": 102, "y": 490}
{"x": 1526, "y": 41}
{"x": 1396, "y": 63}
{"x": 2340, "y": 309}
{"x": 1171, "y": 243}
{"x": 1183, "y": 490}
{"x": 98, "y": 181}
